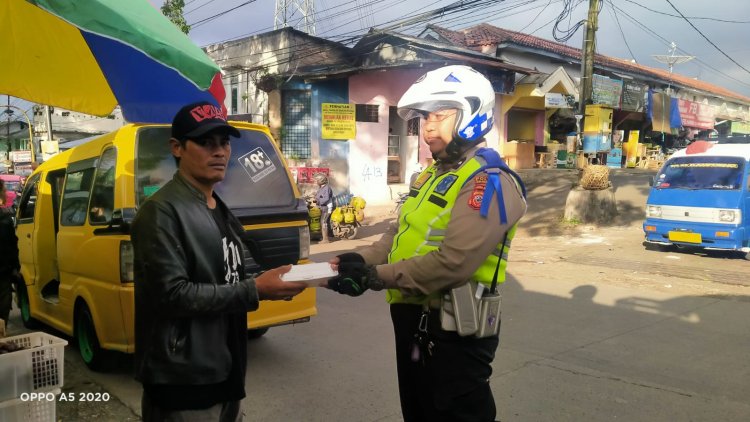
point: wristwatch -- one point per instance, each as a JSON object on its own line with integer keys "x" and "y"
{"x": 373, "y": 282}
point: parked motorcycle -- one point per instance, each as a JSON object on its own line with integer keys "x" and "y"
{"x": 402, "y": 197}
{"x": 346, "y": 219}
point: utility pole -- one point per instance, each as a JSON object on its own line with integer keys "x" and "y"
{"x": 48, "y": 116}
{"x": 587, "y": 58}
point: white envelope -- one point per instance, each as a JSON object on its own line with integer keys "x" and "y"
{"x": 312, "y": 274}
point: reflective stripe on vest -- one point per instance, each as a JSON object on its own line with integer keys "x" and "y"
{"x": 424, "y": 219}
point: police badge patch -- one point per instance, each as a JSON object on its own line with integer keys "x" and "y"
{"x": 445, "y": 184}
{"x": 480, "y": 183}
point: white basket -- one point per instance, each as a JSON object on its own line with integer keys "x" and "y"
{"x": 30, "y": 410}
{"x": 36, "y": 368}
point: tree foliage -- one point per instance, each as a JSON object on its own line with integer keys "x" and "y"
{"x": 172, "y": 9}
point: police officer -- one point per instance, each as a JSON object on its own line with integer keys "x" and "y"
{"x": 455, "y": 228}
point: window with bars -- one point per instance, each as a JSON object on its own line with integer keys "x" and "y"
{"x": 295, "y": 133}
{"x": 366, "y": 113}
{"x": 412, "y": 127}
{"x": 234, "y": 81}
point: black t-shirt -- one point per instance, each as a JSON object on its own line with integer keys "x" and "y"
{"x": 181, "y": 397}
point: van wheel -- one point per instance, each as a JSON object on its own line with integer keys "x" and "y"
{"x": 96, "y": 358}
{"x": 22, "y": 300}
{"x": 256, "y": 333}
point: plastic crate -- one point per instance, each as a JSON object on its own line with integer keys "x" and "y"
{"x": 36, "y": 368}
{"x": 30, "y": 410}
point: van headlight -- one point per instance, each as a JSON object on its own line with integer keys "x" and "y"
{"x": 653, "y": 211}
{"x": 304, "y": 242}
{"x": 729, "y": 216}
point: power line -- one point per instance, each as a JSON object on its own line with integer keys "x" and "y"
{"x": 613, "y": 12}
{"x": 667, "y": 42}
{"x": 198, "y": 7}
{"x": 706, "y": 38}
{"x": 210, "y": 18}
{"x": 537, "y": 16}
{"x": 690, "y": 17}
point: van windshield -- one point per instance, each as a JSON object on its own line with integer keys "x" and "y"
{"x": 255, "y": 178}
{"x": 719, "y": 173}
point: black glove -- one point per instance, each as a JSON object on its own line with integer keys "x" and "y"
{"x": 354, "y": 275}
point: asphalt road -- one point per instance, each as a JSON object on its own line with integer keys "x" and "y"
{"x": 595, "y": 327}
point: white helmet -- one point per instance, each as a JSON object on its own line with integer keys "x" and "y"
{"x": 459, "y": 87}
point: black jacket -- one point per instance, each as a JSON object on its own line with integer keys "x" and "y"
{"x": 182, "y": 310}
{"x": 8, "y": 243}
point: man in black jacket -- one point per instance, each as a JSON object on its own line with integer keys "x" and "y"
{"x": 191, "y": 291}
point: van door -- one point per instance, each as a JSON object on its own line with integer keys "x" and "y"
{"x": 72, "y": 233}
{"x": 25, "y": 229}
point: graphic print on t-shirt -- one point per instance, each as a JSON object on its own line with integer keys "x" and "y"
{"x": 232, "y": 261}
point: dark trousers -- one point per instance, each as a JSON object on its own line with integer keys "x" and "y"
{"x": 222, "y": 412}
{"x": 453, "y": 382}
{"x": 6, "y": 294}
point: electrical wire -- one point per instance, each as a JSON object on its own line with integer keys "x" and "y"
{"x": 706, "y": 38}
{"x": 535, "y": 17}
{"x": 563, "y": 35}
{"x": 613, "y": 12}
{"x": 210, "y": 18}
{"x": 198, "y": 7}
{"x": 667, "y": 42}
{"x": 689, "y": 17}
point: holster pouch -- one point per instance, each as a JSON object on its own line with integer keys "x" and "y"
{"x": 464, "y": 307}
{"x": 447, "y": 319}
{"x": 489, "y": 315}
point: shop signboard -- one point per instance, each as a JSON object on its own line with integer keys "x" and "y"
{"x": 337, "y": 121}
{"x": 696, "y": 115}
{"x": 633, "y": 96}
{"x": 607, "y": 91}
{"x": 741, "y": 127}
{"x": 20, "y": 156}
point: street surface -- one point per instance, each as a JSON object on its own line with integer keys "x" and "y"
{"x": 595, "y": 328}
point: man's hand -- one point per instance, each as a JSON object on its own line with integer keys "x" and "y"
{"x": 271, "y": 287}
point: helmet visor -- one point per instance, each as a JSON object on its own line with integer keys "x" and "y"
{"x": 411, "y": 111}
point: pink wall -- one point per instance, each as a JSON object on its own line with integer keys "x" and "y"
{"x": 368, "y": 162}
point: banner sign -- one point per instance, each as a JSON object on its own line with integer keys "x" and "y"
{"x": 337, "y": 121}
{"x": 607, "y": 91}
{"x": 696, "y": 115}
{"x": 555, "y": 100}
{"x": 633, "y": 96}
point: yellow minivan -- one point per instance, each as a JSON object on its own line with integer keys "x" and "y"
{"x": 74, "y": 247}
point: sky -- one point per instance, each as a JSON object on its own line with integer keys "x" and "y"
{"x": 627, "y": 29}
